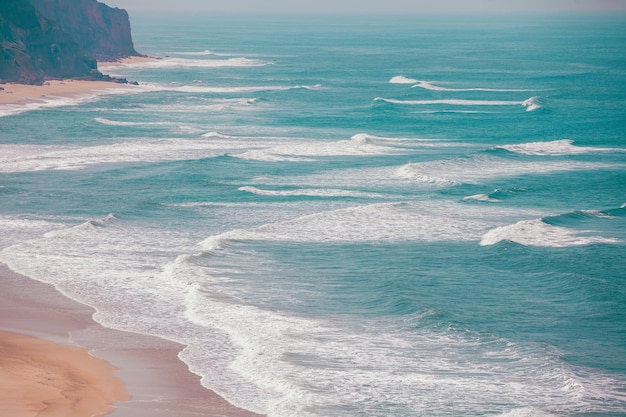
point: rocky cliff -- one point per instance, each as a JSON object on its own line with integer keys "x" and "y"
{"x": 42, "y": 39}
{"x": 33, "y": 47}
{"x": 102, "y": 32}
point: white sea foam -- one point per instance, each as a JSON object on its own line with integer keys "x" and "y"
{"x": 530, "y": 104}
{"x": 163, "y": 63}
{"x": 206, "y": 52}
{"x": 232, "y": 89}
{"x": 538, "y": 233}
{"x": 311, "y": 192}
{"x": 401, "y": 79}
{"x": 19, "y": 228}
{"x": 597, "y": 213}
{"x": 148, "y": 150}
{"x": 430, "y": 174}
{"x": 528, "y": 412}
{"x": 307, "y": 149}
{"x": 153, "y": 281}
{"x": 424, "y": 221}
{"x": 217, "y": 135}
{"x": 556, "y": 147}
{"x": 430, "y": 86}
{"x": 475, "y": 170}
{"x": 420, "y": 370}
{"x": 480, "y": 197}
{"x": 109, "y": 122}
{"x": 11, "y": 152}
{"x": 196, "y": 106}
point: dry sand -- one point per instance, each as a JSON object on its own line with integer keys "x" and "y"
{"x": 54, "y": 89}
{"x": 46, "y": 379}
{"x": 160, "y": 384}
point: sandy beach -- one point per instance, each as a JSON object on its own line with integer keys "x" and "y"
{"x": 50, "y": 342}
{"x": 17, "y": 94}
{"x": 15, "y": 98}
{"x": 42, "y": 378}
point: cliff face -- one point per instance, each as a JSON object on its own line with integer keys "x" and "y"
{"x": 33, "y": 47}
{"x": 42, "y": 39}
{"x": 102, "y": 32}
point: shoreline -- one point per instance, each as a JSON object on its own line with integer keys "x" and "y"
{"x": 159, "y": 383}
{"x": 17, "y": 98}
{"x": 23, "y": 94}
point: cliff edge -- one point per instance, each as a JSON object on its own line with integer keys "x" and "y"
{"x": 42, "y": 39}
{"x": 101, "y": 31}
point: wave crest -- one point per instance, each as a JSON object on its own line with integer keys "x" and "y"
{"x": 541, "y": 234}
{"x": 401, "y": 79}
{"x": 530, "y": 104}
{"x": 556, "y": 147}
{"x": 310, "y": 192}
{"x": 426, "y": 85}
{"x": 481, "y": 197}
{"x": 161, "y": 63}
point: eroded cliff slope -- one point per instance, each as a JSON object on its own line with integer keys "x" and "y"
{"x": 101, "y": 31}
{"x": 42, "y": 39}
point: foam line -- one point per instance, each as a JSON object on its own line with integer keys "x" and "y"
{"x": 162, "y": 63}
{"x": 556, "y": 147}
{"x": 401, "y": 79}
{"x": 432, "y": 87}
{"x": 310, "y": 192}
{"x": 538, "y": 233}
{"x": 530, "y": 104}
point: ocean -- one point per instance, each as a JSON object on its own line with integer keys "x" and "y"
{"x": 347, "y": 216}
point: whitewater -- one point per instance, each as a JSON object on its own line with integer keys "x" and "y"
{"x": 347, "y": 216}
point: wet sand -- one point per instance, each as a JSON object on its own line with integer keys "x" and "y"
{"x": 159, "y": 384}
{"x": 19, "y": 94}
{"x": 42, "y": 378}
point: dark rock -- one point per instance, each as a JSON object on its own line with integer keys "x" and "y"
{"x": 42, "y": 39}
{"x": 33, "y": 47}
{"x": 102, "y": 32}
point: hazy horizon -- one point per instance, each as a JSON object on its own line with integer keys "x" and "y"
{"x": 373, "y": 6}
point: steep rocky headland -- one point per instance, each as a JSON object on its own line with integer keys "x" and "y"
{"x": 43, "y": 39}
{"x": 102, "y": 32}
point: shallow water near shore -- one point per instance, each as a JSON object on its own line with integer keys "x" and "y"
{"x": 348, "y": 216}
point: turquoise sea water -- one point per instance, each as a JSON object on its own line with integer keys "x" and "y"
{"x": 372, "y": 216}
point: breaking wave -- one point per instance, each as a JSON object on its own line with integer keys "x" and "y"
{"x": 432, "y": 87}
{"x": 556, "y": 147}
{"x": 161, "y": 63}
{"x": 311, "y": 192}
{"x": 306, "y": 149}
{"x": 481, "y": 197}
{"x": 226, "y": 90}
{"x": 383, "y": 222}
{"x": 476, "y": 169}
{"x": 539, "y": 233}
{"x": 109, "y": 122}
{"x": 530, "y": 104}
{"x": 401, "y": 79}
{"x": 206, "y": 52}
{"x": 153, "y": 150}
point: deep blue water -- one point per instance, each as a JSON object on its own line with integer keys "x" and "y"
{"x": 348, "y": 216}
